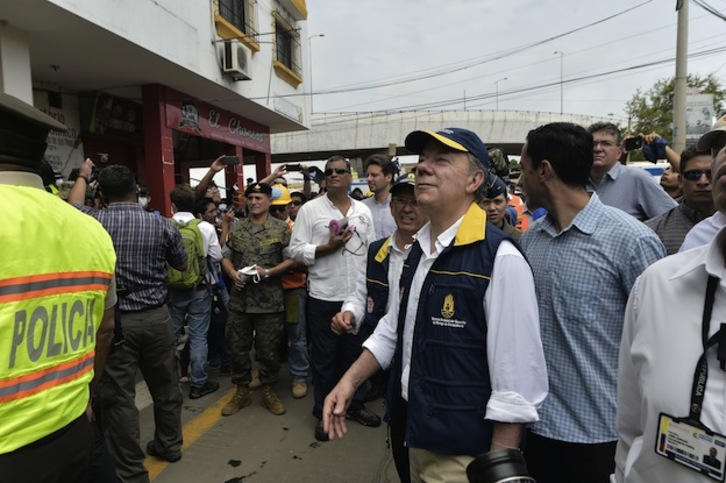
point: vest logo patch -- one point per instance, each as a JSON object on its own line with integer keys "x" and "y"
{"x": 370, "y": 305}
{"x": 447, "y": 310}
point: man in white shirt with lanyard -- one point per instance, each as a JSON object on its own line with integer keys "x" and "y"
{"x": 331, "y": 236}
{"x": 672, "y": 385}
{"x": 483, "y": 375}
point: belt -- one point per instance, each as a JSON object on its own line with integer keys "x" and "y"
{"x": 122, "y": 311}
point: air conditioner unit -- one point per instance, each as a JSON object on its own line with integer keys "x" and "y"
{"x": 236, "y": 60}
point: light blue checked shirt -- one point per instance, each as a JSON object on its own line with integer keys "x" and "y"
{"x": 582, "y": 279}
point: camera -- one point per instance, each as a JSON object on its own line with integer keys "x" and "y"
{"x": 293, "y": 167}
{"x": 631, "y": 144}
{"x": 499, "y": 466}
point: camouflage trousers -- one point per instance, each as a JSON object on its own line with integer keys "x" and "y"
{"x": 265, "y": 330}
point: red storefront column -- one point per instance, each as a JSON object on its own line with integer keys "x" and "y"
{"x": 263, "y": 163}
{"x": 159, "y": 148}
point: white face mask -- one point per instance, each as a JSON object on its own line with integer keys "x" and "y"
{"x": 143, "y": 201}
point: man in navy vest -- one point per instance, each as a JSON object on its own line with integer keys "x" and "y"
{"x": 466, "y": 376}
{"x": 378, "y": 286}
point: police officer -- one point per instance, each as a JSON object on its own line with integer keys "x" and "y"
{"x": 56, "y": 312}
{"x": 256, "y": 303}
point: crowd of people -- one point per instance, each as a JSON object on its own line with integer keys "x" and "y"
{"x": 562, "y": 314}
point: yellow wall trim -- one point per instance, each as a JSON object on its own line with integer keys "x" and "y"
{"x": 227, "y": 30}
{"x": 284, "y": 73}
{"x": 301, "y": 7}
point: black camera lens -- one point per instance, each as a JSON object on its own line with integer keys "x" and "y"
{"x": 499, "y": 467}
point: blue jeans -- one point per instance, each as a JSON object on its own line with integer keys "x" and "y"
{"x": 298, "y": 355}
{"x": 193, "y": 307}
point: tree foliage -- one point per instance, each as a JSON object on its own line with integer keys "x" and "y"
{"x": 652, "y": 110}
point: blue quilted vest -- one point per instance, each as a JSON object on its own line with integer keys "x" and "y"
{"x": 377, "y": 282}
{"x": 449, "y": 384}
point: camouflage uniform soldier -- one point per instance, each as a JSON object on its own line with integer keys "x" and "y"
{"x": 256, "y": 305}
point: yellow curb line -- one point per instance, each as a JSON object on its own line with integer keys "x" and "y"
{"x": 192, "y": 431}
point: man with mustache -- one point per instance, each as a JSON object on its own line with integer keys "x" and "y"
{"x": 695, "y": 182}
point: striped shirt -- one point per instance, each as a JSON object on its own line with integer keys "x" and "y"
{"x": 673, "y": 225}
{"x": 582, "y": 279}
{"x": 144, "y": 243}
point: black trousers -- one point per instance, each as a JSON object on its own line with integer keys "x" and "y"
{"x": 552, "y": 461}
{"x": 61, "y": 457}
{"x": 397, "y": 439}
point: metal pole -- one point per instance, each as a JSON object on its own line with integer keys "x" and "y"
{"x": 496, "y": 87}
{"x": 681, "y": 79}
{"x": 562, "y": 96}
{"x": 310, "y": 63}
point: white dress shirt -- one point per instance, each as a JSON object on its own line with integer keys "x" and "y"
{"x": 382, "y": 218}
{"x": 356, "y": 302}
{"x": 331, "y": 277}
{"x": 517, "y": 366}
{"x": 660, "y": 347}
{"x": 704, "y": 231}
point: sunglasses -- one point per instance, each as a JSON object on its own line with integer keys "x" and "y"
{"x": 695, "y": 174}
{"x": 297, "y": 203}
{"x": 340, "y": 171}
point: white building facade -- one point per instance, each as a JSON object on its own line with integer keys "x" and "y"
{"x": 159, "y": 85}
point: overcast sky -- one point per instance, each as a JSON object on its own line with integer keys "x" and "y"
{"x": 385, "y": 41}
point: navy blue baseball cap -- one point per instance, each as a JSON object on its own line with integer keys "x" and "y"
{"x": 403, "y": 181}
{"x": 455, "y": 138}
{"x": 497, "y": 187}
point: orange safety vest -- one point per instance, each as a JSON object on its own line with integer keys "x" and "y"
{"x": 292, "y": 280}
{"x": 56, "y": 266}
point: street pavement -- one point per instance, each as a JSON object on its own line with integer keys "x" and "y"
{"x": 256, "y": 446}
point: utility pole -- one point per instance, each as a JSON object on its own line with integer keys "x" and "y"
{"x": 496, "y": 87}
{"x": 562, "y": 89}
{"x": 681, "y": 79}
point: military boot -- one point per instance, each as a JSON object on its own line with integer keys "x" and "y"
{"x": 271, "y": 401}
{"x": 255, "y": 383}
{"x": 240, "y": 399}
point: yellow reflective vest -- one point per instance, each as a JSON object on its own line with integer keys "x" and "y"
{"x": 56, "y": 265}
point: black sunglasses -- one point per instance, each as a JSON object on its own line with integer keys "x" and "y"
{"x": 340, "y": 171}
{"x": 297, "y": 203}
{"x": 695, "y": 174}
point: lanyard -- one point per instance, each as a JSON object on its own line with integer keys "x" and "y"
{"x": 719, "y": 338}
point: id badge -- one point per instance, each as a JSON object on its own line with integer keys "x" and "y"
{"x": 696, "y": 448}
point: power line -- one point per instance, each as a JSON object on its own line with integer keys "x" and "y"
{"x": 709, "y": 9}
{"x": 528, "y": 89}
{"x": 462, "y": 65}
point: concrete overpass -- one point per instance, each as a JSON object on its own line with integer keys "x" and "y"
{"x": 357, "y": 135}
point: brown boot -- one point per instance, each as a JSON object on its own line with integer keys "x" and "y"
{"x": 271, "y": 401}
{"x": 255, "y": 383}
{"x": 240, "y": 399}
